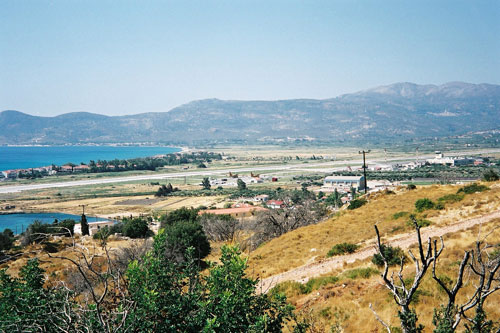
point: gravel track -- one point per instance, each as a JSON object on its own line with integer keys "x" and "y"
{"x": 304, "y": 273}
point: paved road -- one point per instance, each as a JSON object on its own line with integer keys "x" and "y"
{"x": 281, "y": 167}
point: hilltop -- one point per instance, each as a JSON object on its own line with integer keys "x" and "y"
{"x": 398, "y": 111}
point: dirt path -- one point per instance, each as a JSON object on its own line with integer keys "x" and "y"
{"x": 404, "y": 241}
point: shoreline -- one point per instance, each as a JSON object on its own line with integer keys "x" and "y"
{"x": 181, "y": 150}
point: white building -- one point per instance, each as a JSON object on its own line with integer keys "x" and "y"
{"x": 343, "y": 183}
{"x": 439, "y": 158}
{"x": 93, "y": 227}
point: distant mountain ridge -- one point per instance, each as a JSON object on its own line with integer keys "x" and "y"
{"x": 398, "y": 111}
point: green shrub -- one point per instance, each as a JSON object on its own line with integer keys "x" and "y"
{"x": 316, "y": 283}
{"x": 473, "y": 188}
{"x": 399, "y": 215}
{"x": 363, "y": 273}
{"x": 182, "y": 235}
{"x": 356, "y": 203}
{"x": 6, "y": 239}
{"x": 451, "y": 198}
{"x": 102, "y": 234}
{"x": 392, "y": 254}
{"x": 411, "y": 186}
{"x": 421, "y": 222}
{"x": 136, "y": 228}
{"x": 342, "y": 248}
{"x": 490, "y": 175}
{"x": 424, "y": 204}
{"x": 179, "y": 215}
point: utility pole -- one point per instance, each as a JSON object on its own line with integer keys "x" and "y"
{"x": 364, "y": 166}
{"x": 83, "y": 207}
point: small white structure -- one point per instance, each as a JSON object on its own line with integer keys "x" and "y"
{"x": 343, "y": 183}
{"x": 439, "y": 158}
{"x": 93, "y": 226}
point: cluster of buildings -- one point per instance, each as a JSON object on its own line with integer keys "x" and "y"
{"x": 232, "y": 180}
{"x": 440, "y": 158}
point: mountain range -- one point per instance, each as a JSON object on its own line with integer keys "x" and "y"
{"x": 393, "y": 112}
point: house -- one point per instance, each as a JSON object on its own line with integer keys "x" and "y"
{"x": 10, "y": 174}
{"x": 93, "y": 226}
{"x": 275, "y": 204}
{"x": 239, "y": 212}
{"x": 343, "y": 183}
{"x": 261, "y": 198}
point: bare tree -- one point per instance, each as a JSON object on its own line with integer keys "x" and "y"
{"x": 403, "y": 294}
{"x": 220, "y": 227}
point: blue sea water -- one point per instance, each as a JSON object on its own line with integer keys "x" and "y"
{"x": 38, "y": 156}
{"x": 19, "y": 222}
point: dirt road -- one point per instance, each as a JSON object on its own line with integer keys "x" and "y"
{"x": 404, "y": 241}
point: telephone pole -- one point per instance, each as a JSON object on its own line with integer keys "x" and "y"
{"x": 83, "y": 207}
{"x": 364, "y": 166}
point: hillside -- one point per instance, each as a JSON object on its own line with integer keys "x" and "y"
{"x": 398, "y": 111}
{"x": 341, "y": 294}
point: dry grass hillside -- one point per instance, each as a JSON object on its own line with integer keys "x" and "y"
{"x": 341, "y": 298}
{"x": 311, "y": 244}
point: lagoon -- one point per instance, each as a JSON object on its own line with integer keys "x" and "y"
{"x": 24, "y": 157}
{"x": 19, "y": 222}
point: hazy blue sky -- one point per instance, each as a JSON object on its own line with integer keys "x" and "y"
{"x": 123, "y": 57}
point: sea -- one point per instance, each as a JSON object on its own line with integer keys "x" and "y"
{"x": 25, "y": 157}
{"x": 19, "y": 222}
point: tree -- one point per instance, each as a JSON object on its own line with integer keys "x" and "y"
{"x": 6, "y": 240}
{"x": 84, "y": 225}
{"x": 241, "y": 185}
{"x": 25, "y": 306}
{"x": 179, "y": 215}
{"x": 206, "y": 183}
{"x": 490, "y": 175}
{"x": 183, "y": 235}
{"x": 219, "y": 227}
{"x": 136, "y": 228}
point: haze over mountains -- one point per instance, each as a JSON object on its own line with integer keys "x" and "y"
{"x": 393, "y": 112}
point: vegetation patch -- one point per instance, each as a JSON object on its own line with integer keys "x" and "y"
{"x": 420, "y": 222}
{"x": 399, "y": 215}
{"x": 356, "y": 203}
{"x": 473, "y": 188}
{"x": 342, "y": 248}
{"x": 316, "y": 283}
{"x": 360, "y": 273}
{"x": 424, "y": 204}
{"x": 450, "y": 198}
{"x": 394, "y": 256}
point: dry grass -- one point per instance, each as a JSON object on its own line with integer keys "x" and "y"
{"x": 312, "y": 243}
{"x": 346, "y": 302}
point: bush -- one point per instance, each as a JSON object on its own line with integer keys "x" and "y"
{"x": 392, "y": 254}
{"x": 424, "y": 204}
{"x": 65, "y": 227}
{"x": 102, "y": 233}
{"x": 182, "y": 235}
{"x": 342, "y": 248}
{"x": 411, "y": 187}
{"x": 136, "y": 228}
{"x": 490, "y": 175}
{"x": 451, "y": 198}
{"x": 473, "y": 188}
{"x": 316, "y": 283}
{"x": 363, "y": 273}
{"x": 6, "y": 240}
{"x": 356, "y": 203}
{"x": 399, "y": 215}
{"x": 420, "y": 222}
{"x": 179, "y": 215}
